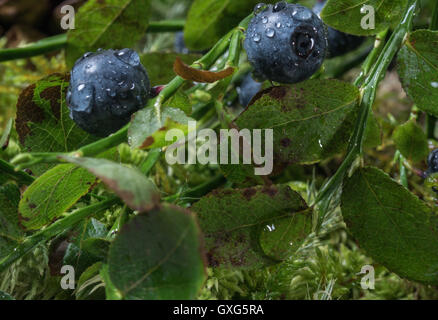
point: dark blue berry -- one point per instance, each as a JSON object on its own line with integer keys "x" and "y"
{"x": 248, "y": 89}
{"x": 286, "y": 42}
{"x": 339, "y": 43}
{"x": 179, "y": 44}
{"x": 105, "y": 89}
{"x": 432, "y": 162}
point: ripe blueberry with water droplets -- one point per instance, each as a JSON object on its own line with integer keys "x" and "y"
{"x": 285, "y": 42}
{"x": 105, "y": 89}
{"x": 339, "y": 43}
{"x": 432, "y": 162}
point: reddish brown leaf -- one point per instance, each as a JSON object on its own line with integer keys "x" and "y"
{"x": 188, "y": 73}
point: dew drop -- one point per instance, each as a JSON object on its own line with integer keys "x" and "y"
{"x": 279, "y": 6}
{"x": 259, "y": 8}
{"x": 303, "y": 14}
{"x": 278, "y": 25}
{"x": 256, "y": 38}
{"x": 81, "y": 87}
{"x": 434, "y": 84}
{"x": 86, "y": 55}
{"x": 265, "y": 19}
{"x": 270, "y": 33}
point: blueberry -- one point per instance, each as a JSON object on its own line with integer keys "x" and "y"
{"x": 248, "y": 89}
{"x": 286, "y": 42}
{"x": 105, "y": 89}
{"x": 179, "y": 44}
{"x": 432, "y": 162}
{"x": 339, "y": 43}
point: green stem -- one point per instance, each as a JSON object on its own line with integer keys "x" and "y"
{"x": 25, "y": 160}
{"x": 434, "y": 21}
{"x": 151, "y": 159}
{"x": 166, "y": 26}
{"x": 235, "y": 47}
{"x": 372, "y": 57}
{"x": 44, "y": 46}
{"x": 60, "y": 41}
{"x": 368, "y": 94}
{"x": 54, "y": 229}
{"x": 20, "y": 176}
{"x": 198, "y": 191}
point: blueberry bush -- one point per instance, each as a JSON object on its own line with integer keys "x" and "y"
{"x": 85, "y": 181}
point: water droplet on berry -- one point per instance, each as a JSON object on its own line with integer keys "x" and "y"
{"x": 279, "y": 6}
{"x": 278, "y": 25}
{"x": 256, "y": 38}
{"x": 270, "y": 32}
{"x": 259, "y": 8}
{"x": 265, "y": 19}
{"x": 302, "y": 14}
{"x": 86, "y": 55}
{"x": 81, "y": 87}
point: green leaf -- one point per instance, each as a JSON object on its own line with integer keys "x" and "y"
{"x": 87, "y": 246}
{"x": 411, "y": 141}
{"x": 89, "y": 281}
{"x": 236, "y": 225}
{"x": 107, "y": 24}
{"x": 311, "y": 121}
{"x": 158, "y": 255}
{"x": 111, "y": 291}
{"x": 10, "y": 232}
{"x": 43, "y": 123}
{"x": 180, "y": 101}
{"x": 373, "y": 132}
{"x": 148, "y": 132}
{"x": 160, "y": 65}
{"x": 4, "y": 139}
{"x": 392, "y": 225}
{"x": 5, "y": 296}
{"x": 418, "y": 69}
{"x": 346, "y": 16}
{"x": 136, "y": 190}
{"x": 209, "y": 20}
{"x": 52, "y": 194}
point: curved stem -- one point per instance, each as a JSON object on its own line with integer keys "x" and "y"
{"x": 368, "y": 95}
{"x": 59, "y": 41}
